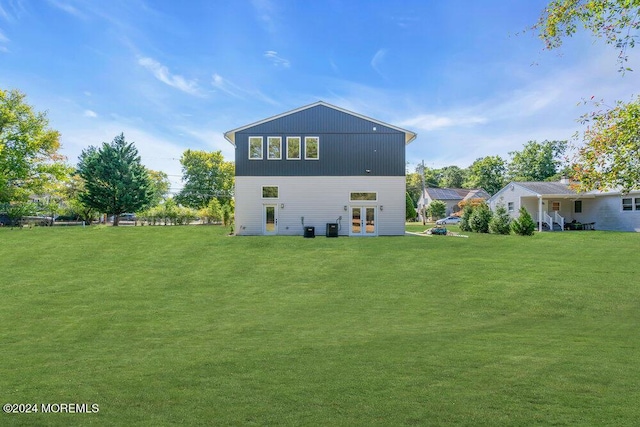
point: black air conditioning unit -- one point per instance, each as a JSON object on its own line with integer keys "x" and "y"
{"x": 309, "y": 232}
{"x": 332, "y": 229}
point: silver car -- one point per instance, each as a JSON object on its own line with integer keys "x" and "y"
{"x": 448, "y": 220}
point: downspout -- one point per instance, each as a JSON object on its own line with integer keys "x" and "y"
{"x": 540, "y": 212}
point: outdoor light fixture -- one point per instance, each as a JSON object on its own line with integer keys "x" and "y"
{"x": 282, "y": 205}
{"x": 345, "y": 207}
{"x": 381, "y": 208}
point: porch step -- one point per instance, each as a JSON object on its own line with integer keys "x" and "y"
{"x": 556, "y": 227}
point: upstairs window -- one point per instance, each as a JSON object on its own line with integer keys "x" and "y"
{"x": 510, "y": 207}
{"x": 311, "y": 148}
{"x": 274, "y": 151}
{"x": 363, "y": 196}
{"x": 255, "y": 148}
{"x": 293, "y": 148}
{"x": 270, "y": 192}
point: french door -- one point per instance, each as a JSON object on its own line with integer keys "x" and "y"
{"x": 363, "y": 221}
{"x": 270, "y": 219}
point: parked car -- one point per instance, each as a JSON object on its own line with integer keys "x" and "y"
{"x": 448, "y": 220}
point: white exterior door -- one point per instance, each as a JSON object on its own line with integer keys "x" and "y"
{"x": 363, "y": 221}
{"x": 270, "y": 219}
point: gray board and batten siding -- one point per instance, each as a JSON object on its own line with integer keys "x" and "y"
{"x": 350, "y": 145}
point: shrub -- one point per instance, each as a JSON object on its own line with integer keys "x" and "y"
{"x": 437, "y": 209}
{"x": 410, "y": 209}
{"x": 501, "y": 221}
{"x": 466, "y": 216}
{"x": 480, "y": 218}
{"x": 524, "y": 225}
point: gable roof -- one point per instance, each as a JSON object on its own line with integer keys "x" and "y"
{"x": 547, "y": 188}
{"x": 443, "y": 193}
{"x": 231, "y": 135}
{"x": 456, "y": 193}
{"x": 478, "y": 193}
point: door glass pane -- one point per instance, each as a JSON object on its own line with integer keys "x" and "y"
{"x": 355, "y": 221}
{"x": 371, "y": 221}
{"x": 270, "y": 217}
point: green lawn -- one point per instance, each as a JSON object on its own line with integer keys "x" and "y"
{"x": 188, "y": 326}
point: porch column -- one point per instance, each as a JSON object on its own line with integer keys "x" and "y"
{"x": 540, "y": 213}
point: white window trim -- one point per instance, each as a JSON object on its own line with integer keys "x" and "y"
{"x": 511, "y": 207}
{"x": 635, "y": 201}
{"x": 269, "y": 198}
{"x": 269, "y": 138}
{"x": 363, "y": 201}
{"x": 581, "y": 206}
{"x": 299, "y": 148}
{"x": 261, "y": 148}
{"x": 305, "y": 148}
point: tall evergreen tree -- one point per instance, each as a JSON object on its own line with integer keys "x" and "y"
{"x": 114, "y": 179}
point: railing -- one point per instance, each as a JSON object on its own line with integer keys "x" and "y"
{"x": 546, "y": 218}
{"x": 560, "y": 220}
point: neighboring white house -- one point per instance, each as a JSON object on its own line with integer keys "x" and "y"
{"x": 316, "y": 166}
{"x": 450, "y": 196}
{"x": 555, "y": 205}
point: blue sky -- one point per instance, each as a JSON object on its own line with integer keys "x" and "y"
{"x": 173, "y": 75}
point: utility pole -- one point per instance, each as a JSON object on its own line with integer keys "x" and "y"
{"x": 422, "y": 210}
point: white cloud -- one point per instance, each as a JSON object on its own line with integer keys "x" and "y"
{"x": 163, "y": 74}
{"x": 226, "y": 86}
{"x": 377, "y": 60}
{"x": 264, "y": 10}
{"x": 430, "y": 122}
{"x": 276, "y": 60}
{"x": 236, "y": 91}
{"x": 3, "y": 39}
{"x": 90, "y": 113}
{"x": 68, "y": 8}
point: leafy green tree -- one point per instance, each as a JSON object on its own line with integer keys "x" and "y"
{"x": 414, "y": 186}
{"x": 451, "y": 177}
{"x": 500, "y": 221}
{"x": 538, "y": 161}
{"x": 610, "y": 156}
{"x": 115, "y": 181}
{"x": 160, "y": 185}
{"x": 614, "y": 20}
{"x": 18, "y": 210}
{"x": 437, "y": 209}
{"x": 523, "y": 225}
{"x": 206, "y": 176}
{"x": 487, "y": 173}
{"x": 29, "y": 157}
{"x": 480, "y": 218}
{"x": 71, "y": 196}
{"x": 410, "y": 209}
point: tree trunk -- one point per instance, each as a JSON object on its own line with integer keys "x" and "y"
{"x": 116, "y": 220}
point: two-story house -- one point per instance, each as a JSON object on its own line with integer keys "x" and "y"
{"x": 318, "y": 165}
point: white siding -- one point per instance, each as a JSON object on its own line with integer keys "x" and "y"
{"x": 514, "y": 194}
{"x": 608, "y": 214}
{"x": 320, "y": 200}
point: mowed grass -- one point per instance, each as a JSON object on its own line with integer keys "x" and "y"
{"x": 188, "y": 326}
